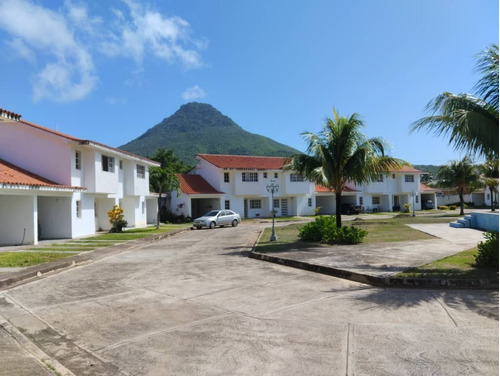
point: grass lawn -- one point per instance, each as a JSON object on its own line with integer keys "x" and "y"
{"x": 17, "y": 259}
{"x": 379, "y": 231}
{"x": 458, "y": 266}
{"x": 21, "y": 259}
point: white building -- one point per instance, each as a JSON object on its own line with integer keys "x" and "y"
{"x": 53, "y": 185}
{"x": 240, "y": 183}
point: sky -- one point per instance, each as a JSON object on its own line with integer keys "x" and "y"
{"x": 110, "y": 70}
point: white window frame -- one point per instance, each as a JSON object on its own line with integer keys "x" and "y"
{"x": 108, "y": 163}
{"x": 276, "y": 175}
{"x": 309, "y": 202}
{"x": 375, "y": 200}
{"x": 409, "y": 178}
{"x": 251, "y": 177}
{"x": 296, "y": 178}
{"x": 226, "y": 177}
{"x": 78, "y": 160}
{"x": 255, "y": 204}
{"x": 79, "y": 209}
{"x": 227, "y": 205}
{"x": 379, "y": 178}
{"x": 141, "y": 171}
{"x": 361, "y": 201}
{"x": 276, "y": 203}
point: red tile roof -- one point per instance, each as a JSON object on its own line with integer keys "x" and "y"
{"x": 195, "y": 184}
{"x": 424, "y": 187}
{"x": 12, "y": 174}
{"x": 244, "y": 161}
{"x": 408, "y": 169}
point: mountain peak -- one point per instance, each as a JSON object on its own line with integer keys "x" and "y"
{"x": 199, "y": 128}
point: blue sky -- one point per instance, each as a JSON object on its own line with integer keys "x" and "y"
{"x": 109, "y": 70}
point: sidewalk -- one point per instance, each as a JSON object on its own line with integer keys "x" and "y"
{"x": 377, "y": 264}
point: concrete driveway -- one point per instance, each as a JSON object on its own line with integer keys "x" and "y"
{"x": 194, "y": 304}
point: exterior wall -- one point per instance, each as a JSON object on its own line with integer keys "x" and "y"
{"x": 85, "y": 224}
{"x": 36, "y": 151}
{"x": 151, "y": 209}
{"x": 54, "y": 217}
{"x": 19, "y": 226}
{"x": 485, "y": 221}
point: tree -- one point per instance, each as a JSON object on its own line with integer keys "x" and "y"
{"x": 341, "y": 154}
{"x": 163, "y": 179}
{"x": 489, "y": 178}
{"x": 460, "y": 175}
{"x": 471, "y": 122}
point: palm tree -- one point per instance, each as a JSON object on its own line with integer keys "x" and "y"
{"x": 460, "y": 175}
{"x": 471, "y": 122}
{"x": 489, "y": 178}
{"x": 341, "y": 154}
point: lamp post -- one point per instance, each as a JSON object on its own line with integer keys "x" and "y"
{"x": 273, "y": 187}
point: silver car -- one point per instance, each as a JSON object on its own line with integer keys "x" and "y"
{"x": 218, "y": 218}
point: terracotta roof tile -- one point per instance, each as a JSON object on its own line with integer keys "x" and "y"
{"x": 195, "y": 184}
{"x": 12, "y": 174}
{"x": 408, "y": 169}
{"x": 244, "y": 161}
{"x": 323, "y": 189}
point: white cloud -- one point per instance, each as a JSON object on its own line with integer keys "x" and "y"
{"x": 146, "y": 31}
{"x": 61, "y": 43}
{"x": 192, "y": 93}
{"x": 69, "y": 75}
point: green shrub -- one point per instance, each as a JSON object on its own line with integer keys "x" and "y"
{"x": 406, "y": 208}
{"x": 325, "y": 230}
{"x": 453, "y": 207}
{"x": 487, "y": 255}
{"x": 443, "y": 207}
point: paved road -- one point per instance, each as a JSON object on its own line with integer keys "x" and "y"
{"x": 195, "y": 305}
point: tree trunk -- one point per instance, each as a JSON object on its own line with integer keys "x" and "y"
{"x": 338, "y": 214}
{"x": 461, "y": 196}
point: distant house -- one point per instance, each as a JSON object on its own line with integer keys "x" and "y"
{"x": 240, "y": 183}
{"x": 53, "y": 185}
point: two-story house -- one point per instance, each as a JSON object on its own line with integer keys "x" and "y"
{"x": 53, "y": 185}
{"x": 240, "y": 183}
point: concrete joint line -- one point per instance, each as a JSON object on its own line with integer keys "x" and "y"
{"x": 349, "y": 369}
{"x": 444, "y": 308}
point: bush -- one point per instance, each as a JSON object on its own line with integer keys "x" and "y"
{"x": 325, "y": 230}
{"x": 443, "y": 207}
{"x": 488, "y": 251}
{"x": 406, "y": 208}
{"x": 116, "y": 219}
{"x": 453, "y": 207}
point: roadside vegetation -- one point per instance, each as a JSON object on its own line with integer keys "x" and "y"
{"x": 34, "y": 255}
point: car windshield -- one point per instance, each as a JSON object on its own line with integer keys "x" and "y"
{"x": 213, "y": 213}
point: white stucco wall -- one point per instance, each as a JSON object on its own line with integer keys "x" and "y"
{"x": 18, "y": 219}
{"x": 54, "y": 216}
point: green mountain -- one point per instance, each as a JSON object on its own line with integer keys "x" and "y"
{"x": 200, "y": 128}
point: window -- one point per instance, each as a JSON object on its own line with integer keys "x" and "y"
{"x": 250, "y": 176}
{"x": 79, "y": 209}
{"x": 296, "y": 177}
{"x": 409, "y": 178}
{"x": 375, "y": 200}
{"x": 361, "y": 200}
{"x": 488, "y": 196}
{"x": 78, "y": 160}
{"x": 255, "y": 204}
{"x": 226, "y": 177}
{"x": 121, "y": 165}
{"x": 276, "y": 203}
{"x": 265, "y": 175}
{"x": 379, "y": 178}
{"x": 394, "y": 176}
{"x": 141, "y": 171}
{"x": 416, "y": 199}
{"x": 309, "y": 202}
{"x": 227, "y": 204}
{"x": 143, "y": 207}
{"x": 108, "y": 163}
{"x": 276, "y": 175}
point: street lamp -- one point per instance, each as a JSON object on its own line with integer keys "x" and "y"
{"x": 273, "y": 187}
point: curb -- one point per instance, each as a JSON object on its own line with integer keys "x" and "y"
{"x": 381, "y": 281}
{"x": 37, "y": 271}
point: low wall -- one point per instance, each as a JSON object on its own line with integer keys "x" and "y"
{"x": 485, "y": 221}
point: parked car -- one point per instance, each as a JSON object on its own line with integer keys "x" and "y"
{"x": 218, "y": 218}
{"x": 348, "y": 209}
{"x": 427, "y": 204}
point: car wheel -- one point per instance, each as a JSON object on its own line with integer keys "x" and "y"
{"x": 235, "y": 223}
{"x": 212, "y": 225}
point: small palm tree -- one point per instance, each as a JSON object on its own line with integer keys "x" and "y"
{"x": 489, "y": 178}
{"x": 460, "y": 175}
{"x": 471, "y": 122}
{"x": 341, "y": 154}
